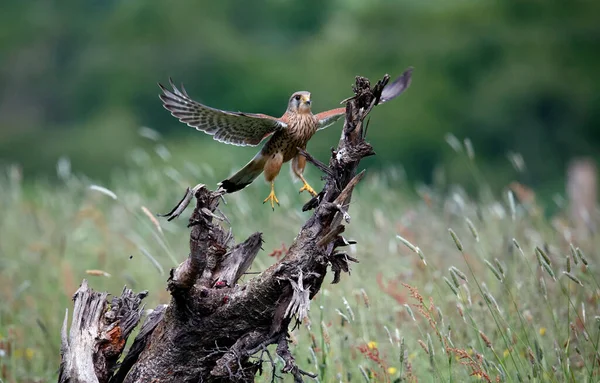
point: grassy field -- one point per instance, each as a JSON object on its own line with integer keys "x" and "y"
{"x": 448, "y": 288}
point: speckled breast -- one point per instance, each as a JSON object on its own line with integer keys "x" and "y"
{"x": 297, "y": 134}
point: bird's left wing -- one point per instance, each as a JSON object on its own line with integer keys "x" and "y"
{"x": 391, "y": 91}
{"x": 237, "y": 128}
{"x": 329, "y": 117}
{"x": 396, "y": 87}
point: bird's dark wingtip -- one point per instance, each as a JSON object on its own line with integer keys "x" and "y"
{"x": 407, "y": 75}
{"x": 163, "y": 93}
{"x": 398, "y": 86}
{"x": 162, "y": 87}
{"x": 184, "y": 91}
{"x": 173, "y": 85}
{"x": 163, "y": 98}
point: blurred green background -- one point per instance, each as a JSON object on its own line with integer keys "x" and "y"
{"x": 78, "y": 79}
{"x": 518, "y": 79}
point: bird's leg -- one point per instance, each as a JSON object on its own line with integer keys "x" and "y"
{"x": 272, "y": 196}
{"x": 298, "y": 164}
{"x": 307, "y": 187}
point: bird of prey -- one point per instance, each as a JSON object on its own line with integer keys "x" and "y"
{"x": 287, "y": 133}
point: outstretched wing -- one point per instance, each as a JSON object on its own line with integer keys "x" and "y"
{"x": 237, "y": 128}
{"x": 391, "y": 91}
{"x": 329, "y": 117}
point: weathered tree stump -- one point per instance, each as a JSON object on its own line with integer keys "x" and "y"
{"x": 213, "y": 325}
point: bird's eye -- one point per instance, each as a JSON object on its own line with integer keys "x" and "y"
{"x": 297, "y": 97}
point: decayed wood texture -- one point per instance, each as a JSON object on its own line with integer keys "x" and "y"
{"x": 89, "y": 352}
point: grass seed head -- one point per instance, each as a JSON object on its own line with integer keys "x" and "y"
{"x": 467, "y": 293}
{"x": 449, "y": 342}
{"x": 313, "y": 354}
{"x": 585, "y": 335}
{"x": 451, "y": 285}
{"x": 421, "y": 255}
{"x": 574, "y": 253}
{"x": 549, "y": 270}
{"x": 573, "y": 278}
{"x": 487, "y": 340}
{"x": 499, "y": 266}
{"x": 387, "y": 330}
{"x": 502, "y": 373}
{"x": 460, "y": 274}
{"x": 457, "y": 241}
{"x": 365, "y": 297}
{"x": 581, "y": 256}
{"x": 543, "y": 254}
{"x": 423, "y": 346}
{"x": 430, "y": 350}
{"x": 152, "y": 219}
{"x": 472, "y": 229}
{"x": 410, "y": 312}
{"x": 364, "y": 373}
{"x": 495, "y": 271}
{"x": 491, "y": 300}
{"x": 407, "y": 243}
{"x": 344, "y": 317}
{"x": 460, "y": 310}
{"x": 325, "y": 334}
{"x": 440, "y": 315}
{"x": 348, "y": 308}
{"x": 543, "y": 288}
{"x": 518, "y": 247}
{"x": 402, "y": 351}
{"x": 430, "y": 345}
{"x": 454, "y": 278}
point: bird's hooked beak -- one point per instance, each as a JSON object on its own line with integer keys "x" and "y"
{"x": 305, "y": 100}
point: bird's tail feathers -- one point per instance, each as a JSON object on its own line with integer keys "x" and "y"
{"x": 245, "y": 175}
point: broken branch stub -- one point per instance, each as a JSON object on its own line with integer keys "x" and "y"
{"x": 91, "y": 349}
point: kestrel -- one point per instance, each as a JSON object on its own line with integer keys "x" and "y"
{"x": 289, "y": 132}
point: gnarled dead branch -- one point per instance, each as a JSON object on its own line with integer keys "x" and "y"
{"x": 213, "y": 325}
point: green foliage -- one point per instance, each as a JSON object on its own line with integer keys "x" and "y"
{"x": 511, "y": 75}
{"x": 499, "y": 307}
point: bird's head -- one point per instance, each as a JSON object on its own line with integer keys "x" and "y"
{"x": 299, "y": 102}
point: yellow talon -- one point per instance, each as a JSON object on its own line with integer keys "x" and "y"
{"x": 308, "y": 189}
{"x": 272, "y": 197}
